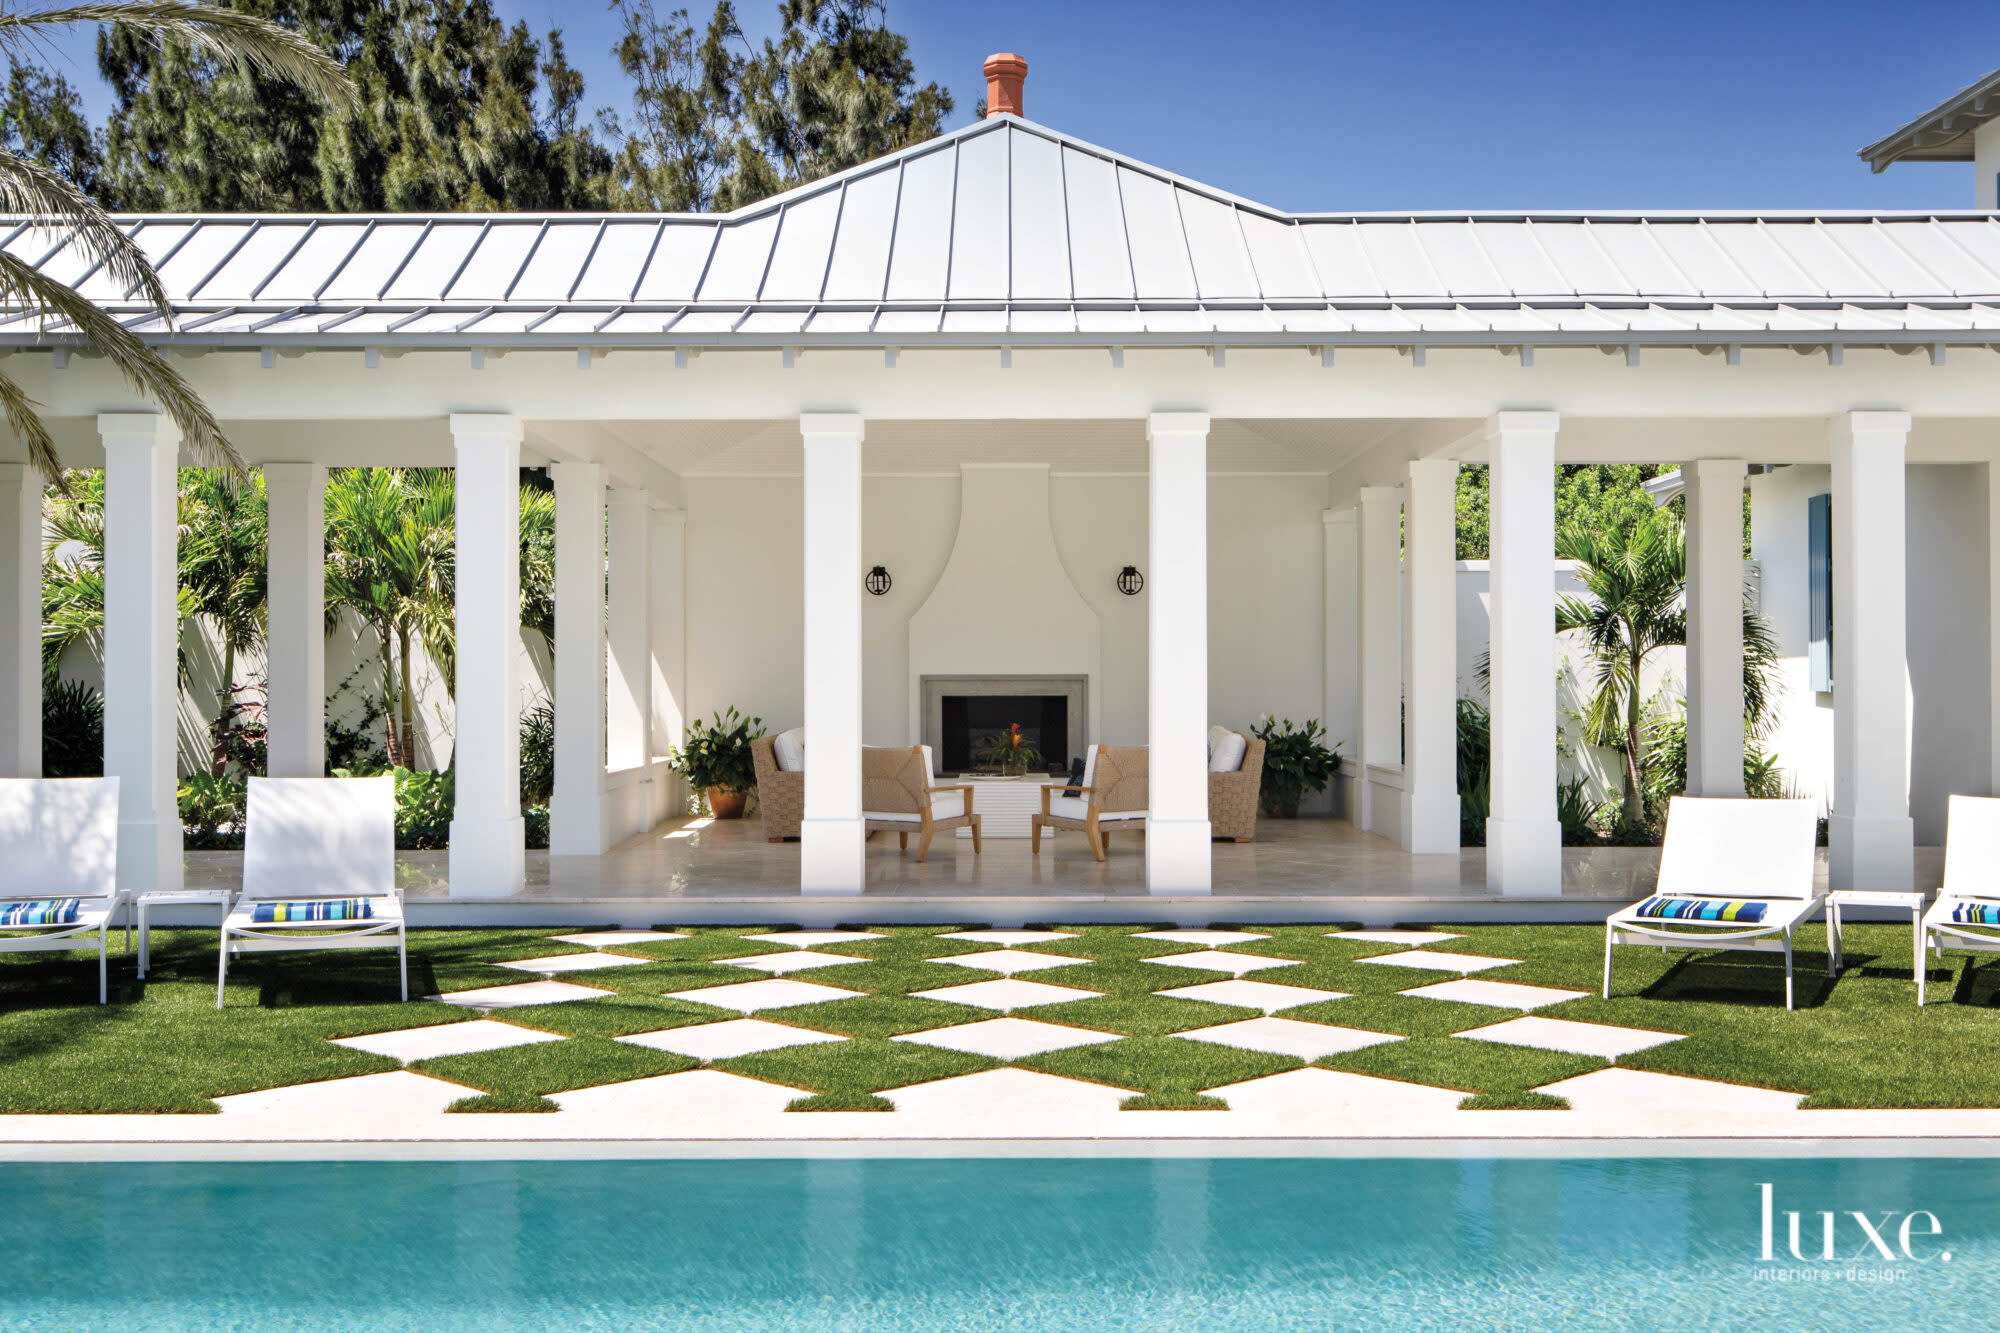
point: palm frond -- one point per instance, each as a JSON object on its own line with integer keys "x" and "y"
{"x": 32, "y": 191}
{"x": 31, "y": 431}
{"x": 232, "y": 38}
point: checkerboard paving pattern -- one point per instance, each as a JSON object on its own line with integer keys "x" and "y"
{"x": 1008, "y": 995}
{"x": 728, "y": 1039}
{"x": 798, "y": 960}
{"x": 1208, "y": 938}
{"x": 572, "y": 962}
{"x": 413, "y": 1044}
{"x": 778, "y": 993}
{"x": 1285, "y": 1036}
{"x": 611, "y": 939}
{"x": 1008, "y": 938}
{"x": 1009, "y": 961}
{"x": 1440, "y": 962}
{"x": 526, "y": 993}
{"x": 813, "y": 939}
{"x": 1264, "y": 996}
{"x": 1558, "y": 1034}
{"x": 1408, "y": 937}
{"x": 1498, "y": 994}
{"x": 1235, "y": 964}
{"x": 1008, "y": 1038}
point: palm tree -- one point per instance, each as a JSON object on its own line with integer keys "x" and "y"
{"x": 42, "y": 196}
{"x": 73, "y": 573}
{"x": 223, "y": 532}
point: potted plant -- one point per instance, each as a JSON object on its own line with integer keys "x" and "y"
{"x": 1296, "y": 761}
{"x": 1012, "y": 754}
{"x": 716, "y": 761}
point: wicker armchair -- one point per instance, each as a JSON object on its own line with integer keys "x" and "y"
{"x": 781, "y": 796}
{"x": 897, "y": 797}
{"x": 1232, "y": 797}
{"x": 1113, "y": 796}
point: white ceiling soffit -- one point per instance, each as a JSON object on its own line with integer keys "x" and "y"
{"x": 1006, "y": 233}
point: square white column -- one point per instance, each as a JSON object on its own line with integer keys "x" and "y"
{"x": 1430, "y": 656}
{"x": 1523, "y": 835}
{"x": 1177, "y": 827}
{"x": 1993, "y": 620}
{"x": 295, "y": 494}
{"x": 1871, "y": 839}
{"x": 1379, "y": 648}
{"x": 20, "y": 621}
{"x": 628, "y": 685}
{"x": 831, "y": 859}
{"x": 1340, "y": 697}
{"x": 141, "y": 643}
{"x": 577, "y": 817}
{"x": 487, "y": 835}
{"x": 668, "y": 590}
{"x": 1715, "y": 625}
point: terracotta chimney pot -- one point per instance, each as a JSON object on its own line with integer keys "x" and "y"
{"x": 1004, "y": 75}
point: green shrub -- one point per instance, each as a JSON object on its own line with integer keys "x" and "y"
{"x": 538, "y": 756}
{"x": 1296, "y": 763}
{"x": 72, "y": 731}
{"x": 423, "y": 809}
{"x": 536, "y": 818}
{"x": 211, "y": 811}
{"x": 717, "y": 754}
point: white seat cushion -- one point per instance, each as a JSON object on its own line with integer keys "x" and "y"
{"x": 1076, "y": 807}
{"x": 1216, "y": 735}
{"x": 789, "y": 749}
{"x": 1225, "y": 753}
{"x": 944, "y": 805}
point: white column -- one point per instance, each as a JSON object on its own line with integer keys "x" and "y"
{"x": 629, "y": 679}
{"x": 1340, "y": 699}
{"x": 1993, "y": 618}
{"x": 1523, "y": 836}
{"x": 1871, "y": 837}
{"x": 141, "y": 642}
{"x": 20, "y": 621}
{"x": 1380, "y": 645}
{"x": 668, "y": 589}
{"x": 577, "y": 822}
{"x": 1715, "y": 625}
{"x": 830, "y": 836}
{"x": 296, "y": 665}
{"x": 486, "y": 828}
{"x": 1177, "y": 829}
{"x": 1430, "y": 656}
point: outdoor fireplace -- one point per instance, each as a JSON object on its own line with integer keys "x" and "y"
{"x": 967, "y": 717}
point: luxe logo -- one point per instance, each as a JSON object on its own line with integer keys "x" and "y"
{"x": 1874, "y": 1236}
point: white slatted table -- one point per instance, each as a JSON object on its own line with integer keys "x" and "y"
{"x": 1005, "y": 806}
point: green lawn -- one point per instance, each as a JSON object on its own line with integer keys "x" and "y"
{"x": 162, "y": 1046}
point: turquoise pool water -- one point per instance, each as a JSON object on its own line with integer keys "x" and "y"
{"x": 1076, "y": 1245}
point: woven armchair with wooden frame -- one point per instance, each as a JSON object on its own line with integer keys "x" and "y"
{"x": 897, "y": 797}
{"x": 1113, "y": 796}
{"x": 1232, "y": 796}
{"x": 781, "y": 795}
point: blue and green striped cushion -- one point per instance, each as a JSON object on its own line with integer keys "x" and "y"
{"x": 1976, "y": 914}
{"x": 318, "y": 909}
{"x": 1702, "y": 909}
{"x": 41, "y": 912}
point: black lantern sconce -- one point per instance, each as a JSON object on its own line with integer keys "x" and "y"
{"x": 1130, "y": 580}
{"x": 878, "y": 581}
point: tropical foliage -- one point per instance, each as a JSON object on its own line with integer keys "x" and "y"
{"x": 1296, "y": 762}
{"x": 72, "y": 730}
{"x": 717, "y": 753}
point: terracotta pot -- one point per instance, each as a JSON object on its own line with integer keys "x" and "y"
{"x": 726, "y": 804}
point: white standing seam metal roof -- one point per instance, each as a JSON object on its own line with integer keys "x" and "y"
{"x": 1005, "y": 233}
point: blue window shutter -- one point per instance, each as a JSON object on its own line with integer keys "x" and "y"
{"x": 1819, "y": 577}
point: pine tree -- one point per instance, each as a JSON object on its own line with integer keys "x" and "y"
{"x": 43, "y": 121}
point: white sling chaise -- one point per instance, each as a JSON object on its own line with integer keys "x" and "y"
{"x": 59, "y": 866}
{"x": 319, "y": 871}
{"x": 1734, "y": 874}
{"x": 1966, "y": 915}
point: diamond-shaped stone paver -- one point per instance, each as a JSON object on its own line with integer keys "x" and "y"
{"x": 526, "y": 992}
{"x": 412, "y": 1044}
{"x": 796, "y": 961}
{"x": 1440, "y": 962}
{"x": 774, "y": 993}
{"x": 728, "y": 1039}
{"x": 1409, "y": 937}
{"x": 1210, "y": 938}
{"x": 1007, "y": 1038}
{"x": 1642, "y": 1090}
{"x": 573, "y": 962}
{"x": 1310, "y": 1090}
{"x": 1007, "y": 1096}
{"x": 1013, "y": 993}
{"x": 812, "y": 939}
{"x": 1010, "y": 961}
{"x": 1235, "y": 964}
{"x": 603, "y": 939}
{"x": 706, "y": 1093}
{"x": 1008, "y": 938}
{"x": 369, "y": 1099}
{"x": 1499, "y": 994}
{"x": 1560, "y": 1034}
{"x": 1288, "y": 1036}
{"x": 1267, "y": 996}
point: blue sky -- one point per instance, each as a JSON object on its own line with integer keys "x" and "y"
{"x": 1403, "y": 104}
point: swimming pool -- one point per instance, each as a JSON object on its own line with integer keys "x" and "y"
{"x": 1077, "y": 1245}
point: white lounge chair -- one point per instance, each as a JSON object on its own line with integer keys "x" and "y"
{"x": 319, "y": 871}
{"x": 59, "y": 866}
{"x": 1734, "y": 874}
{"x": 1966, "y": 915}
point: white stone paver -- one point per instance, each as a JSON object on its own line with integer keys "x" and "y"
{"x": 812, "y": 939}
{"x": 574, "y": 962}
{"x": 1010, "y": 961}
{"x": 1207, "y": 937}
{"x": 600, "y": 939}
{"x": 1235, "y": 964}
{"x": 1007, "y": 1038}
{"x": 728, "y": 1039}
{"x": 526, "y": 992}
{"x": 775, "y": 993}
{"x": 1335, "y": 1090}
{"x": 705, "y": 1093}
{"x": 1409, "y": 937}
{"x": 1006, "y": 1097}
{"x": 412, "y": 1044}
{"x": 1008, "y": 938}
{"x": 1560, "y": 1034}
{"x": 1012, "y": 993}
{"x": 1499, "y": 994}
{"x": 1288, "y": 1036}
{"x": 368, "y": 1099}
{"x": 1441, "y": 962}
{"x": 798, "y": 960}
{"x": 1638, "y": 1090}
{"x": 1265, "y": 995}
